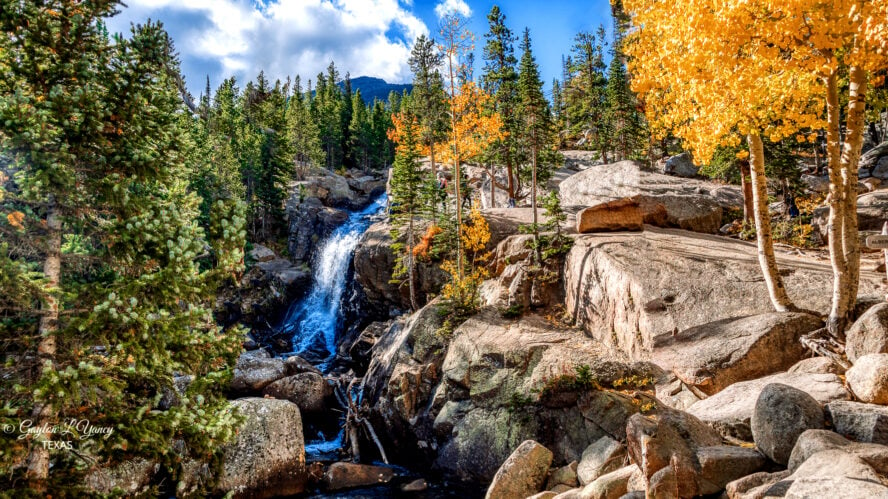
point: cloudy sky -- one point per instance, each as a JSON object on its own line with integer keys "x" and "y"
{"x": 220, "y": 38}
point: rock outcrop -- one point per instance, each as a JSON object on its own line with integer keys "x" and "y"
{"x": 712, "y": 356}
{"x": 374, "y": 262}
{"x": 265, "y": 459}
{"x": 666, "y": 201}
{"x": 264, "y": 291}
{"x": 633, "y": 291}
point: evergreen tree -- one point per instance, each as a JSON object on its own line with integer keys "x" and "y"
{"x": 406, "y": 192}
{"x": 360, "y": 134}
{"x": 624, "y": 122}
{"x": 429, "y": 100}
{"x": 102, "y": 252}
{"x": 500, "y": 79}
{"x": 537, "y": 132}
{"x": 303, "y": 133}
{"x": 585, "y": 101}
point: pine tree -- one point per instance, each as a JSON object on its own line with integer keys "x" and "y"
{"x": 360, "y": 133}
{"x": 624, "y": 122}
{"x": 406, "y": 191}
{"x": 429, "y": 100}
{"x": 585, "y": 92}
{"x": 303, "y": 133}
{"x": 537, "y": 132}
{"x": 500, "y": 79}
{"x": 105, "y": 248}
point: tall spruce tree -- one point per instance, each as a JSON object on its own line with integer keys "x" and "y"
{"x": 303, "y": 133}
{"x": 500, "y": 79}
{"x": 105, "y": 296}
{"x": 429, "y": 100}
{"x": 407, "y": 192}
{"x": 537, "y": 131}
{"x": 585, "y": 92}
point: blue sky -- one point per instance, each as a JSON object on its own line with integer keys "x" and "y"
{"x": 221, "y": 38}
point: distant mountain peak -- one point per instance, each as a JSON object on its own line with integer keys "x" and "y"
{"x": 375, "y": 88}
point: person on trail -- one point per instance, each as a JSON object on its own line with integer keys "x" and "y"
{"x": 511, "y": 202}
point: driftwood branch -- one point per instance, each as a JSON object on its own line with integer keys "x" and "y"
{"x": 821, "y": 343}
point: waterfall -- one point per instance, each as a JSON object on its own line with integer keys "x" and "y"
{"x": 315, "y": 321}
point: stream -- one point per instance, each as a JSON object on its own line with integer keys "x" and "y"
{"x": 315, "y": 323}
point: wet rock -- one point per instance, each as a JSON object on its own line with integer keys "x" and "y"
{"x": 297, "y": 365}
{"x": 565, "y": 475}
{"x": 602, "y": 457}
{"x": 868, "y": 378}
{"x": 730, "y": 410}
{"x": 309, "y": 223}
{"x": 869, "y": 334}
{"x": 267, "y": 457}
{"x": 417, "y": 485}
{"x": 781, "y": 414}
{"x": 715, "y": 355}
{"x": 341, "y": 476}
{"x": 616, "y": 294}
{"x": 266, "y": 289}
{"x": 618, "y": 215}
{"x": 308, "y": 390}
{"x": 858, "y": 421}
{"x": 523, "y": 473}
{"x": 253, "y": 372}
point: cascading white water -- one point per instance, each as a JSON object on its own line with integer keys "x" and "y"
{"x": 315, "y": 321}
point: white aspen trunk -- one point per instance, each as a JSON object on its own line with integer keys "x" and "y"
{"x": 850, "y": 160}
{"x": 836, "y": 222}
{"x": 38, "y": 459}
{"x": 767, "y": 258}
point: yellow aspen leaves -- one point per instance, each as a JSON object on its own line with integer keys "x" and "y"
{"x": 712, "y": 71}
{"x": 15, "y": 219}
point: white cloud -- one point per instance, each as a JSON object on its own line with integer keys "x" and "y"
{"x": 284, "y": 37}
{"x": 450, "y": 6}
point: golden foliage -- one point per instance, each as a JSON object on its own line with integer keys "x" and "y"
{"x": 474, "y": 127}
{"x": 421, "y": 250}
{"x": 15, "y": 219}
{"x": 462, "y": 292}
{"x": 714, "y": 71}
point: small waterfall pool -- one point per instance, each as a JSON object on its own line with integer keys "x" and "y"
{"x": 315, "y": 322}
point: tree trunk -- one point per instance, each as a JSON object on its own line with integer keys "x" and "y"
{"x": 456, "y": 175}
{"x": 511, "y": 174}
{"x": 434, "y": 178}
{"x": 836, "y": 222}
{"x": 492, "y": 185}
{"x": 748, "y": 208}
{"x": 850, "y": 160}
{"x": 533, "y": 202}
{"x": 767, "y": 259}
{"x": 38, "y": 460}
{"x": 411, "y": 264}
